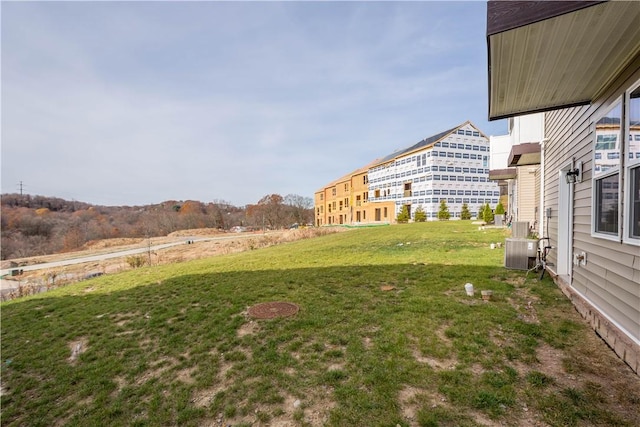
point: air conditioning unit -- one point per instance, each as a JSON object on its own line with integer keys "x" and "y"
{"x": 520, "y": 229}
{"x": 520, "y": 254}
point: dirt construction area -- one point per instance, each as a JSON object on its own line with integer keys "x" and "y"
{"x": 123, "y": 254}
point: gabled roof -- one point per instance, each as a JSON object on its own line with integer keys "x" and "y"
{"x": 545, "y": 55}
{"x": 425, "y": 143}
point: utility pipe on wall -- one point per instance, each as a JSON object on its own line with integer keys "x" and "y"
{"x": 541, "y": 211}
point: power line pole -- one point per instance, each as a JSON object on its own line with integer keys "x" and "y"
{"x": 21, "y": 187}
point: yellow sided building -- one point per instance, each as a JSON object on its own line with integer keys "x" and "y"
{"x": 346, "y": 201}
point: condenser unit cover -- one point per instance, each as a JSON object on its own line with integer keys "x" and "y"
{"x": 517, "y": 253}
{"x": 520, "y": 229}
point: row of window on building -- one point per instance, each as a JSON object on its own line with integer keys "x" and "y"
{"x": 434, "y": 168}
{"x": 451, "y": 201}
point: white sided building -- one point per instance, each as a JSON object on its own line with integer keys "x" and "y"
{"x": 451, "y": 166}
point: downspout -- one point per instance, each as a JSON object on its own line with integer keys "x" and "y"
{"x": 541, "y": 210}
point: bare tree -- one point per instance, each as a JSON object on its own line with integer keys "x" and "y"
{"x": 300, "y": 208}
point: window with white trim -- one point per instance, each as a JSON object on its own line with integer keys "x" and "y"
{"x": 606, "y": 172}
{"x": 632, "y": 168}
{"x": 616, "y": 210}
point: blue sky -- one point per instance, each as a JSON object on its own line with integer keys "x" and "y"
{"x": 131, "y": 103}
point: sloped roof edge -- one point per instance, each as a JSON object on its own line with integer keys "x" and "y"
{"x": 426, "y": 143}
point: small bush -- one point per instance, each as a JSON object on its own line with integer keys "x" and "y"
{"x": 403, "y": 216}
{"x": 443, "y": 213}
{"x": 420, "y": 215}
{"x": 465, "y": 214}
{"x": 136, "y": 261}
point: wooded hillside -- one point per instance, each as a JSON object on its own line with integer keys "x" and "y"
{"x": 39, "y": 225}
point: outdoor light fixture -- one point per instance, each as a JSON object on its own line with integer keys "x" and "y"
{"x": 574, "y": 175}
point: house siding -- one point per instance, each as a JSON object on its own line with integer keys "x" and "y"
{"x": 527, "y": 204}
{"x": 607, "y": 289}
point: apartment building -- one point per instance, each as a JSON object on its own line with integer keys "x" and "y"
{"x": 452, "y": 166}
{"x": 346, "y": 201}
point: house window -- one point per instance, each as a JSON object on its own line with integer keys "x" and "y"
{"x": 607, "y": 171}
{"x": 634, "y": 217}
{"x": 632, "y": 170}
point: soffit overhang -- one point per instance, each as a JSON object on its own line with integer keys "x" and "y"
{"x": 502, "y": 174}
{"x": 524, "y": 154}
{"x": 545, "y": 55}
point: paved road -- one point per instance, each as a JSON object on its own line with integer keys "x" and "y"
{"x": 100, "y": 257}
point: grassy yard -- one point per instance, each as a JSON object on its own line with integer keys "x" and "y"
{"x": 385, "y": 336}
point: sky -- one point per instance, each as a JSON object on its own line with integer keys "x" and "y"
{"x": 134, "y": 103}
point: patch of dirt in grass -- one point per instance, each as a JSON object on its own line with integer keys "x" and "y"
{"x": 77, "y": 347}
{"x": 550, "y": 360}
{"x": 186, "y": 375}
{"x": 317, "y": 406}
{"x": 249, "y": 328}
{"x": 441, "y": 333}
{"x": 336, "y": 367}
{"x": 525, "y": 305}
{"x": 485, "y": 421}
{"x": 202, "y": 398}
{"x": 367, "y": 340}
{"x": 120, "y": 383}
{"x": 121, "y": 319}
{"x": 310, "y": 409}
{"x": 148, "y": 344}
{"x": 158, "y": 367}
{"x": 515, "y": 279}
{"x": 498, "y": 337}
{"x": 367, "y": 343}
{"x": 409, "y": 406}
{"x": 434, "y": 362}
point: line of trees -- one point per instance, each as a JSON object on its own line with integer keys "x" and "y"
{"x": 39, "y": 225}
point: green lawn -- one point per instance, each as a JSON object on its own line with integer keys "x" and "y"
{"x": 173, "y": 345}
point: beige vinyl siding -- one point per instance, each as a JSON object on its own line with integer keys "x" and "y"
{"x": 526, "y": 189}
{"x": 610, "y": 280}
